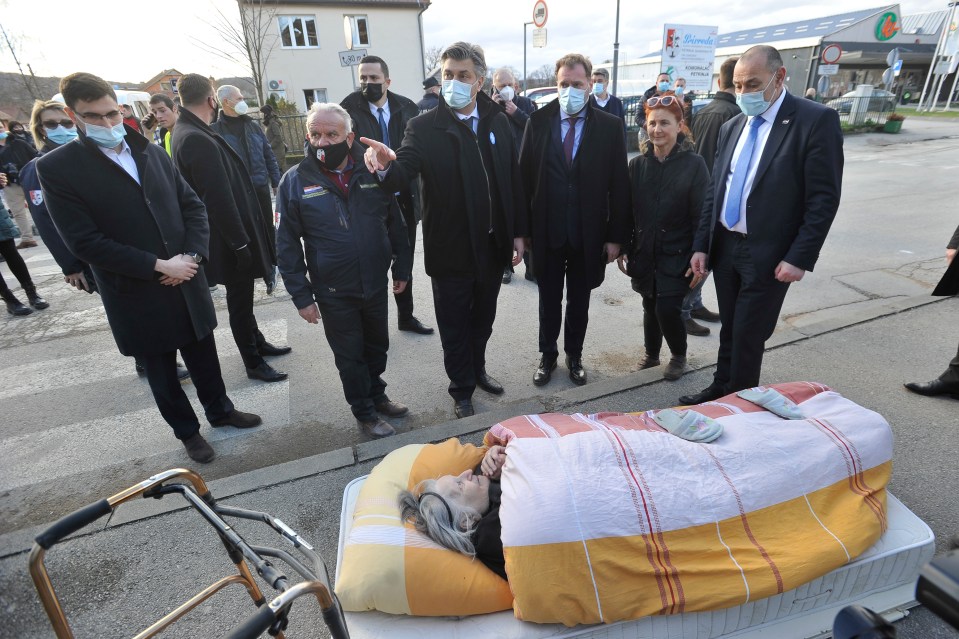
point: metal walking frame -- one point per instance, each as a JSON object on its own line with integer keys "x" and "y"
{"x": 270, "y": 617}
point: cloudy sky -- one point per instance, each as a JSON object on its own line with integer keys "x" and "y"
{"x": 142, "y": 38}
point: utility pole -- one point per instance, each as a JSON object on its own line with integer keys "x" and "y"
{"x": 26, "y": 84}
{"x": 615, "y": 53}
{"x": 525, "y": 81}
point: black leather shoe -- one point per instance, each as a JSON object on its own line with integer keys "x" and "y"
{"x": 695, "y": 328}
{"x": 266, "y": 373}
{"x": 181, "y": 372}
{"x": 391, "y": 409}
{"x": 544, "y": 371}
{"x": 488, "y": 384}
{"x": 199, "y": 449}
{"x": 507, "y": 276}
{"x": 576, "y": 371}
{"x": 238, "y": 419}
{"x": 413, "y": 325}
{"x": 376, "y": 427}
{"x": 705, "y": 314}
{"x": 711, "y": 392}
{"x": 529, "y": 276}
{"x": 269, "y": 350}
{"x": 933, "y": 388}
{"x": 463, "y": 408}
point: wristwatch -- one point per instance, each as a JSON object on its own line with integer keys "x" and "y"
{"x": 196, "y": 257}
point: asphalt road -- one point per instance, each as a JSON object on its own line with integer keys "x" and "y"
{"x": 78, "y": 423}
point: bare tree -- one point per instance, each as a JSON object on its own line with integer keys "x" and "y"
{"x": 30, "y": 84}
{"x": 432, "y": 58}
{"x": 250, "y": 36}
{"x": 543, "y": 76}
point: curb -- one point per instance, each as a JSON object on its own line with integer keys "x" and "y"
{"x": 20, "y": 541}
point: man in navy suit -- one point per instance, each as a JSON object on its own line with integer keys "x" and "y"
{"x": 774, "y": 193}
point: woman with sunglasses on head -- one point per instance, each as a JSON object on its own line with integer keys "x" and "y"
{"x": 668, "y": 182}
{"x": 52, "y": 128}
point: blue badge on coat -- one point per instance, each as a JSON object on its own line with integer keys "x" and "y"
{"x": 492, "y": 138}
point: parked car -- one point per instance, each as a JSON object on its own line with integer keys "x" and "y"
{"x": 541, "y": 96}
{"x": 880, "y": 101}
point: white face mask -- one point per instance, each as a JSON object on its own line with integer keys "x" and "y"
{"x": 241, "y": 107}
{"x": 457, "y": 94}
{"x": 507, "y": 93}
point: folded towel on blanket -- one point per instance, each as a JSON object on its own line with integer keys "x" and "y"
{"x": 773, "y": 401}
{"x": 688, "y": 424}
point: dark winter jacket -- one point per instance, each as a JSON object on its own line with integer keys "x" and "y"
{"x": 402, "y": 110}
{"x": 350, "y": 242}
{"x": 217, "y": 174}
{"x": 121, "y": 228}
{"x": 246, "y": 137}
{"x": 470, "y": 182}
{"x": 667, "y": 201}
{"x": 8, "y": 228}
{"x": 709, "y": 120}
{"x": 14, "y": 155}
{"x": 428, "y": 102}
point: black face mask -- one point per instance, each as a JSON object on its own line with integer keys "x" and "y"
{"x": 372, "y": 92}
{"x": 332, "y": 156}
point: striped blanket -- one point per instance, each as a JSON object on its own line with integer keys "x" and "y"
{"x": 608, "y": 517}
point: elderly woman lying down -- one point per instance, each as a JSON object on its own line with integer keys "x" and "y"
{"x": 600, "y": 518}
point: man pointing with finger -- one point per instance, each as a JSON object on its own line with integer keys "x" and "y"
{"x": 122, "y": 207}
{"x": 473, "y": 213}
{"x": 775, "y": 187}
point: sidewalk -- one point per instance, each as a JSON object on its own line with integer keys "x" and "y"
{"x": 153, "y": 554}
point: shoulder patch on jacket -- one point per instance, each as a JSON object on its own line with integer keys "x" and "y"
{"x": 314, "y": 191}
{"x": 369, "y": 186}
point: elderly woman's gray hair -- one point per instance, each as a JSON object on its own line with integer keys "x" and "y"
{"x": 329, "y": 107}
{"x": 429, "y": 514}
{"x": 467, "y": 51}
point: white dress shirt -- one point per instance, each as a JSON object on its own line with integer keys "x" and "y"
{"x": 124, "y": 159}
{"x": 769, "y": 116}
{"x": 474, "y": 115}
{"x": 375, "y": 110}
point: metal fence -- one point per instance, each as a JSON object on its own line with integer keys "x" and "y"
{"x": 863, "y": 111}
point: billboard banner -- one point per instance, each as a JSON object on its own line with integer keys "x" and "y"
{"x": 688, "y": 52}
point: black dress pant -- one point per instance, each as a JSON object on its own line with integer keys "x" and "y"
{"x": 356, "y": 330}
{"x": 952, "y": 373}
{"x": 263, "y": 196}
{"x": 749, "y": 306}
{"x": 246, "y": 334}
{"x": 404, "y": 300}
{"x": 565, "y": 265}
{"x": 465, "y": 312}
{"x": 8, "y": 248}
{"x": 663, "y": 316}
{"x": 201, "y": 360}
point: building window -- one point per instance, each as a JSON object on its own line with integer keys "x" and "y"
{"x": 314, "y": 95}
{"x": 165, "y": 86}
{"x": 298, "y": 32}
{"x": 359, "y": 29}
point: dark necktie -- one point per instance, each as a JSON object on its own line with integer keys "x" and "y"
{"x": 569, "y": 139}
{"x": 734, "y": 198}
{"x": 383, "y": 128}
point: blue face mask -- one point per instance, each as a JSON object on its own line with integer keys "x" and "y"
{"x": 679, "y": 90}
{"x": 598, "y": 88}
{"x": 754, "y": 103}
{"x": 572, "y": 100}
{"x": 62, "y": 135}
{"x": 3, "y": 136}
{"x": 107, "y": 137}
{"x": 663, "y": 86}
{"x": 457, "y": 94}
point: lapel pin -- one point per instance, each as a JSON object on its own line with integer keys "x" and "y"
{"x": 785, "y": 121}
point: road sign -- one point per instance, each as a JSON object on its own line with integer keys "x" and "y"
{"x": 892, "y": 57}
{"x": 540, "y": 13}
{"x": 831, "y": 54}
{"x": 539, "y": 38}
{"x": 888, "y": 76}
{"x": 823, "y": 86}
{"x": 897, "y": 67}
{"x": 349, "y": 58}
{"x": 828, "y": 69}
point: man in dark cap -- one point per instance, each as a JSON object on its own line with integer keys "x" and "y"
{"x": 431, "y": 98}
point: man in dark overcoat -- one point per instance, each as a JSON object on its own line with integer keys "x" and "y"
{"x": 473, "y": 214}
{"x": 122, "y": 207}
{"x": 573, "y": 163}
{"x": 240, "y": 247}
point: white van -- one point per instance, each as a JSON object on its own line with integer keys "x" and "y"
{"x": 139, "y": 100}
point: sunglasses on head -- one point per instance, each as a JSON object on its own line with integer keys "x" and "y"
{"x": 66, "y": 123}
{"x": 665, "y": 101}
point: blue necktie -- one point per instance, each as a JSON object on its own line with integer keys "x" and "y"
{"x": 385, "y": 129}
{"x": 734, "y": 198}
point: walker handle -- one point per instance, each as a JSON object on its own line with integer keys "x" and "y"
{"x": 72, "y": 523}
{"x": 255, "y": 625}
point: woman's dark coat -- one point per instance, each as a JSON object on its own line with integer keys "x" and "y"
{"x": 667, "y": 201}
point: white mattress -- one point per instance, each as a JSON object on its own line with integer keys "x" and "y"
{"x": 883, "y": 579}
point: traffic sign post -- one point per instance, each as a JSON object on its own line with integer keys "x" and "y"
{"x": 351, "y": 58}
{"x": 828, "y": 69}
{"x": 831, "y": 54}
{"x": 539, "y": 38}
{"x": 540, "y": 13}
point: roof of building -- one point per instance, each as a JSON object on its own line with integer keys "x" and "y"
{"x": 923, "y": 23}
{"x": 410, "y": 4}
{"x": 817, "y": 27}
{"x": 159, "y": 75}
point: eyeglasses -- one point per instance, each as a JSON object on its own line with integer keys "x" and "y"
{"x": 665, "y": 101}
{"x": 66, "y": 123}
